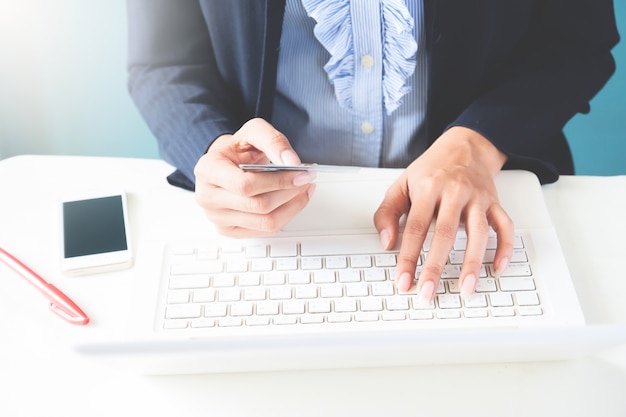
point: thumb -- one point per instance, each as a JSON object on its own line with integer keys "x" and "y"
{"x": 261, "y": 135}
{"x": 387, "y": 217}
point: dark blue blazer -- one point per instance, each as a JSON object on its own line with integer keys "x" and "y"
{"x": 515, "y": 71}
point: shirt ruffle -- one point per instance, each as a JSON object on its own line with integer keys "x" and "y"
{"x": 333, "y": 29}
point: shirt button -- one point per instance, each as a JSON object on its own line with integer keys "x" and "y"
{"x": 367, "y": 61}
{"x": 367, "y": 128}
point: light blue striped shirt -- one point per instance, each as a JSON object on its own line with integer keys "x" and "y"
{"x": 307, "y": 109}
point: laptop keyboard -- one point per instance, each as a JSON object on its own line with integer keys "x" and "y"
{"x": 328, "y": 280}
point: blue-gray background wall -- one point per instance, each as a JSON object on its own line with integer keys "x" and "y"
{"x": 63, "y": 88}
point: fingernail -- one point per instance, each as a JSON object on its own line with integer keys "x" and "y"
{"x": 385, "y": 238}
{"x": 469, "y": 286}
{"x": 426, "y": 293}
{"x": 404, "y": 282}
{"x": 289, "y": 157}
{"x": 302, "y": 179}
{"x": 504, "y": 264}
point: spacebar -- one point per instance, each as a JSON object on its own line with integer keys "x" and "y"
{"x": 341, "y": 245}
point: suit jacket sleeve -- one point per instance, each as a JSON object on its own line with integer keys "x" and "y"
{"x": 558, "y": 66}
{"x": 175, "y": 83}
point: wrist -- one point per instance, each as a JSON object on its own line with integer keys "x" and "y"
{"x": 479, "y": 147}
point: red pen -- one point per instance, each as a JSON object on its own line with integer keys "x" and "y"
{"x": 59, "y": 302}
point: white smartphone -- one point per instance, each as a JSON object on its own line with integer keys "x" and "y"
{"x": 95, "y": 233}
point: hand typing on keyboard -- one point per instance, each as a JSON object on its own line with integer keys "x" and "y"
{"x": 452, "y": 182}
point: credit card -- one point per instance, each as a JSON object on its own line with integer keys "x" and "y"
{"x": 302, "y": 167}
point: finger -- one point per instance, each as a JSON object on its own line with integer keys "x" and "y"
{"x": 238, "y": 224}
{"x": 222, "y": 199}
{"x": 387, "y": 217}
{"x": 505, "y": 230}
{"x": 444, "y": 236}
{"x": 416, "y": 229}
{"x": 263, "y": 136}
{"x": 477, "y": 228}
{"x": 227, "y": 175}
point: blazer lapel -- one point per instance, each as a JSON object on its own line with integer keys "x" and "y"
{"x": 274, "y": 13}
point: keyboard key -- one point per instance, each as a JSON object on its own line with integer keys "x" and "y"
{"x": 250, "y": 279}
{"x": 215, "y": 310}
{"x": 387, "y": 259}
{"x": 257, "y": 321}
{"x": 339, "y": 317}
{"x": 286, "y": 264}
{"x": 283, "y": 249}
{"x": 267, "y": 308}
{"x": 361, "y": 261}
{"x": 336, "y": 262}
{"x": 344, "y": 305}
{"x": 383, "y": 288}
{"x": 475, "y": 301}
{"x": 324, "y": 277}
{"x": 261, "y": 265}
{"x": 183, "y": 311}
{"x": 241, "y": 309}
{"x": 280, "y": 293}
{"x": 254, "y": 294}
{"x": 197, "y": 268}
{"x": 397, "y": 303}
{"x": 331, "y": 291}
{"x": 299, "y": 277}
{"x": 486, "y": 285}
{"x": 366, "y": 316}
{"x": 229, "y": 294}
{"x": 305, "y": 292}
{"x": 223, "y": 281}
{"x": 349, "y": 275}
{"x": 530, "y": 311}
{"x": 256, "y": 251}
{"x": 527, "y": 298}
{"x": 448, "y": 314}
{"x": 174, "y": 324}
{"x": 203, "y": 295}
{"x": 514, "y": 270}
{"x": 285, "y": 320}
{"x": 319, "y": 306}
{"x": 503, "y": 311}
{"x": 274, "y": 278}
{"x": 229, "y": 322}
{"x": 311, "y": 262}
{"x": 501, "y": 299}
{"x": 294, "y": 307}
{"x": 312, "y": 319}
{"x": 202, "y": 323}
{"x": 393, "y": 316}
{"x": 517, "y": 284}
{"x": 357, "y": 289}
{"x": 177, "y": 297}
{"x": 374, "y": 274}
{"x": 189, "y": 283}
{"x": 449, "y": 301}
{"x": 473, "y": 313}
{"x": 421, "y": 315}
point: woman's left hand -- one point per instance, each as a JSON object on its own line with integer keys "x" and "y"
{"x": 452, "y": 183}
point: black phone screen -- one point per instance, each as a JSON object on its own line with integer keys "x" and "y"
{"x": 94, "y": 226}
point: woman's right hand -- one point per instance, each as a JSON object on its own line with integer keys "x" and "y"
{"x": 249, "y": 204}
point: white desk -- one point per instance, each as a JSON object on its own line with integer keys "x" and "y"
{"x": 41, "y": 375}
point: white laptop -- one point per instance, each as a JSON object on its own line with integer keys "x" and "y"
{"x": 320, "y": 294}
